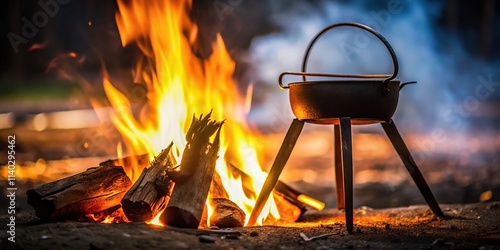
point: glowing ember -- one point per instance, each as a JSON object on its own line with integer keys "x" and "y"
{"x": 318, "y": 205}
{"x": 179, "y": 84}
{"x": 108, "y": 217}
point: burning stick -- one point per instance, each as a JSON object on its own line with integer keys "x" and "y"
{"x": 150, "y": 193}
{"x": 192, "y": 183}
{"x": 89, "y": 192}
{"x": 293, "y": 196}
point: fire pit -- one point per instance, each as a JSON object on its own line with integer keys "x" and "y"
{"x": 343, "y": 103}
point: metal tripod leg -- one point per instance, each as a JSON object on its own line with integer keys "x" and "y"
{"x": 339, "y": 178}
{"x": 403, "y": 152}
{"x": 345, "y": 130}
{"x": 279, "y": 163}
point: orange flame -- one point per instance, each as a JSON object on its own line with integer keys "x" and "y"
{"x": 180, "y": 84}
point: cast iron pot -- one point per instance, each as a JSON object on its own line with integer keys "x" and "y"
{"x": 365, "y": 99}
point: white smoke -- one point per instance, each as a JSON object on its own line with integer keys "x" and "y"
{"x": 407, "y": 25}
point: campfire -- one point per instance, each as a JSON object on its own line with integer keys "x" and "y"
{"x": 168, "y": 128}
{"x": 189, "y": 157}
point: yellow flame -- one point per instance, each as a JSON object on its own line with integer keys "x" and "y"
{"x": 179, "y": 84}
{"x": 108, "y": 220}
{"x": 156, "y": 220}
{"x": 210, "y": 210}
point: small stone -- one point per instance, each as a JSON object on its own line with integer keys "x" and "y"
{"x": 126, "y": 235}
{"x": 254, "y": 234}
{"x": 206, "y": 239}
{"x": 365, "y": 208}
{"x": 387, "y": 227}
{"x": 44, "y": 237}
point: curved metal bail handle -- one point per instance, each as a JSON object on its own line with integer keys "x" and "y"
{"x": 385, "y": 83}
{"x": 304, "y": 74}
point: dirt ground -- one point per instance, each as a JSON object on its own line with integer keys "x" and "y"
{"x": 463, "y": 176}
{"x": 469, "y": 226}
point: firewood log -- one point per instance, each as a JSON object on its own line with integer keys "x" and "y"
{"x": 89, "y": 192}
{"x": 193, "y": 181}
{"x": 226, "y": 214}
{"x": 151, "y": 192}
{"x": 283, "y": 193}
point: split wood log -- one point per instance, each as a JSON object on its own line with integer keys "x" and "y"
{"x": 193, "y": 181}
{"x": 89, "y": 192}
{"x": 226, "y": 214}
{"x": 151, "y": 192}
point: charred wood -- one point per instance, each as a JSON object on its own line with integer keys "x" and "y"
{"x": 89, "y": 192}
{"x": 151, "y": 192}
